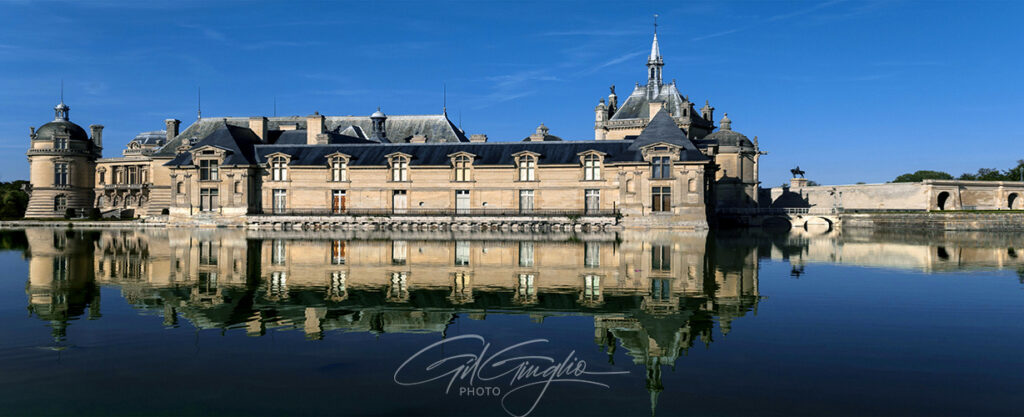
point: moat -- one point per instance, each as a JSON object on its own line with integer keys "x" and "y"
{"x": 246, "y": 322}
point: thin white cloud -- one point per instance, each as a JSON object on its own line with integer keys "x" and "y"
{"x": 716, "y": 34}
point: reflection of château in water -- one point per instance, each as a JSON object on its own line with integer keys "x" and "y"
{"x": 656, "y": 296}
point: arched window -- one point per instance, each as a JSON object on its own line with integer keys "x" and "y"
{"x": 591, "y": 167}
{"x": 339, "y": 169}
{"x": 60, "y": 203}
{"x": 279, "y": 169}
{"x": 462, "y": 168}
{"x": 527, "y": 168}
{"x": 399, "y": 168}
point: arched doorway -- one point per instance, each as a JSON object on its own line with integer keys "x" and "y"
{"x": 1012, "y": 201}
{"x": 943, "y": 199}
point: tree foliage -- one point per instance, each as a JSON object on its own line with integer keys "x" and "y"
{"x": 923, "y": 175}
{"x": 13, "y": 200}
{"x": 983, "y": 174}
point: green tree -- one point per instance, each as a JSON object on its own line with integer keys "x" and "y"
{"x": 13, "y": 200}
{"x": 923, "y": 175}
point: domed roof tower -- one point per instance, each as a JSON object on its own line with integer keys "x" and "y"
{"x": 62, "y": 166}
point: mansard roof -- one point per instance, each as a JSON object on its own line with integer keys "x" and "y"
{"x": 239, "y": 142}
{"x": 399, "y": 128}
{"x": 438, "y": 154}
{"x": 662, "y": 129}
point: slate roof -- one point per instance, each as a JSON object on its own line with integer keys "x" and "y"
{"x": 246, "y": 148}
{"x": 663, "y": 129}
{"x": 637, "y": 105}
{"x": 154, "y": 138}
{"x": 728, "y": 138}
{"x": 240, "y": 142}
{"x": 400, "y": 128}
{"x": 298, "y": 137}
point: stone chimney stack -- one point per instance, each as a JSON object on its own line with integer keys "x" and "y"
{"x": 314, "y": 127}
{"x": 653, "y": 107}
{"x": 172, "y": 128}
{"x": 97, "y": 135}
{"x": 478, "y": 138}
{"x": 258, "y": 125}
{"x": 418, "y": 138}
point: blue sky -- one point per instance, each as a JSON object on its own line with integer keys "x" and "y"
{"x": 849, "y": 90}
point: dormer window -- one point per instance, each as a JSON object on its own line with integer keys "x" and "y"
{"x": 278, "y": 168}
{"x": 527, "y": 167}
{"x": 60, "y": 143}
{"x": 463, "y": 167}
{"x": 591, "y": 167}
{"x": 339, "y": 169}
{"x": 209, "y": 170}
{"x": 399, "y": 168}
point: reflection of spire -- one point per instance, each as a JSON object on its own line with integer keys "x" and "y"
{"x": 654, "y": 386}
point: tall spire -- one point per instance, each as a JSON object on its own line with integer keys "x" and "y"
{"x": 654, "y": 64}
{"x": 61, "y": 110}
{"x": 199, "y": 103}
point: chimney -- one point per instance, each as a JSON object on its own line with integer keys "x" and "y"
{"x": 478, "y": 138}
{"x": 97, "y": 135}
{"x": 172, "y": 128}
{"x": 314, "y": 127}
{"x": 258, "y": 125}
{"x": 417, "y": 138}
{"x": 539, "y": 135}
{"x": 653, "y": 108}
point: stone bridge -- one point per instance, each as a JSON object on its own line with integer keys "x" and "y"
{"x": 819, "y": 219}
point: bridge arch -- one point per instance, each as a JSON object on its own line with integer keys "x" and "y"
{"x": 1013, "y": 201}
{"x": 942, "y": 200}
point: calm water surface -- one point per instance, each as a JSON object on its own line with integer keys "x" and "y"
{"x": 228, "y": 322}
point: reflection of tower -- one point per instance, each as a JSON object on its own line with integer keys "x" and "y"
{"x": 61, "y": 281}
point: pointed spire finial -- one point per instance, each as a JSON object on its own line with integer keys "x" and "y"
{"x": 655, "y": 24}
{"x": 199, "y": 103}
{"x": 444, "y": 99}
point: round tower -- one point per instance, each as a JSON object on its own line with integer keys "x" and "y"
{"x": 62, "y": 166}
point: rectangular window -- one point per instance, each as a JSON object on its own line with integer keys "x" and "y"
{"x": 337, "y": 252}
{"x": 592, "y": 200}
{"x": 60, "y": 143}
{"x": 277, "y": 252}
{"x": 60, "y": 174}
{"x": 339, "y": 170}
{"x": 592, "y": 255}
{"x": 661, "y": 198}
{"x": 280, "y": 199}
{"x": 661, "y": 289}
{"x": 133, "y": 175}
{"x": 526, "y": 254}
{"x": 208, "y": 199}
{"x": 591, "y": 168}
{"x": 661, "y": 168}
{"x": 461, "y": 253}
{"x": 208, "y": 253}
{"x": 400, "y": 169}
{"x": 461, "y": 201}
{"x": 661, "y": 258}
{"x": 103, "y": 177}
{"x": 399, "y": 201}
{"x": 525, "y": 200}
{"x": 591, "y": 288}
{"x": 399, "y": 248}
{"x": 338, "y": 201}
{"x": 209, "y": 170}
{"x": 527, "y": 168}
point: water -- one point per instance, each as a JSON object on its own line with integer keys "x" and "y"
{"x": 228, "y": 322}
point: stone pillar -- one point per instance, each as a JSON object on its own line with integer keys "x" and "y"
{"x": 797, "y": 182}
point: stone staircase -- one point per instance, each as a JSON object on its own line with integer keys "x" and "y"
{"x": 160, "y": 199}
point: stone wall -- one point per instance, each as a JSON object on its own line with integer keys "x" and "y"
{"x": 935, "y": 195}
{"x": 936, "y": 221}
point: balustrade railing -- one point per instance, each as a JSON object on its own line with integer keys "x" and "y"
{"x": 478, "y": 212}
